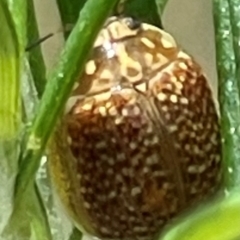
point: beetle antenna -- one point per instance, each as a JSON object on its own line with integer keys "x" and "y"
{"x": 34, "y": 44}
{"x": 38, "y": 42}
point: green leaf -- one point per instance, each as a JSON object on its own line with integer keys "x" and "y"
{"x": 10, "y": 70}
{"x": 27, "y": 217}
{"x": 17, "y": 10}
{"x": 219, "y": 220}
{"x": 9, "y": 153}
{"x": 69, "y": 11}
{"x": 28, "y": 220}
{"x": 35, "y": 57}
{"x": 10, "y": 105}
{"x": 228, "y": 71}
{"x": 234, "y": 13}
{"x": 76, "y": 235}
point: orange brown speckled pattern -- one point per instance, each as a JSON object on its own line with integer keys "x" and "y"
{"x": 139, "y": 141}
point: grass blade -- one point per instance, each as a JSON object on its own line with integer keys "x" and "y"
{"x": 28, "y": 220}
{"x": 13, "y": 35}
{"x": 228, "y": 92}
{"x": 69, "y": 13}
{"x": 35, "y": 57}
{"x": 76, "y": 235}
{"x": 10, "y": 109}
{"x": 59, "y": 86}
{"x": 146, "y": 11}
{"x": 234, "y": 13}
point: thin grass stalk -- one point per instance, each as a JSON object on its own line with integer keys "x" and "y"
{"x": 234, "y": 11}
{"x": 35, "y": 56}
{"x": 69, "y": 13}
{"x": 12, "y": 68}
{"x": 228, "y": 92}
{"x": 59, "y": 86}
{"x": 234, "y": 7}
{"x": 11, "y": 50}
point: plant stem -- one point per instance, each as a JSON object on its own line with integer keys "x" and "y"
{"x": 234, "y": 11}
{"x": 228, "y": 93}
{"x": 69, "y": 13}
{"x": 36, "y": 61}
{"x": 59, "y": 86}
{"x": 76, "y": 234}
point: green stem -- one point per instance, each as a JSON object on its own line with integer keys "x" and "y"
{"x": 228, "y": 93}
{"x": 59, "y": 86}
{"x": 235, "y": 25}
{"x": 28, "y": 219}
{"x": 36, "y": 61}
{"x": 13, "y": 42}
{"x": 69, "y": 13}
{"x": 76, "y": 234}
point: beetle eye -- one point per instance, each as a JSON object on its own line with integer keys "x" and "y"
{"x": 133, "y": 24}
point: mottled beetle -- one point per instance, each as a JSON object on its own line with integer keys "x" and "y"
{"x": 139, "y": 141}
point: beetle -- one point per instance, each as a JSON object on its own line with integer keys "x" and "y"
{"x": 139, "y": 141}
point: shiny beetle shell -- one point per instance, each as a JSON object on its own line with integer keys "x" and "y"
{"x": 139, "y": 141}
